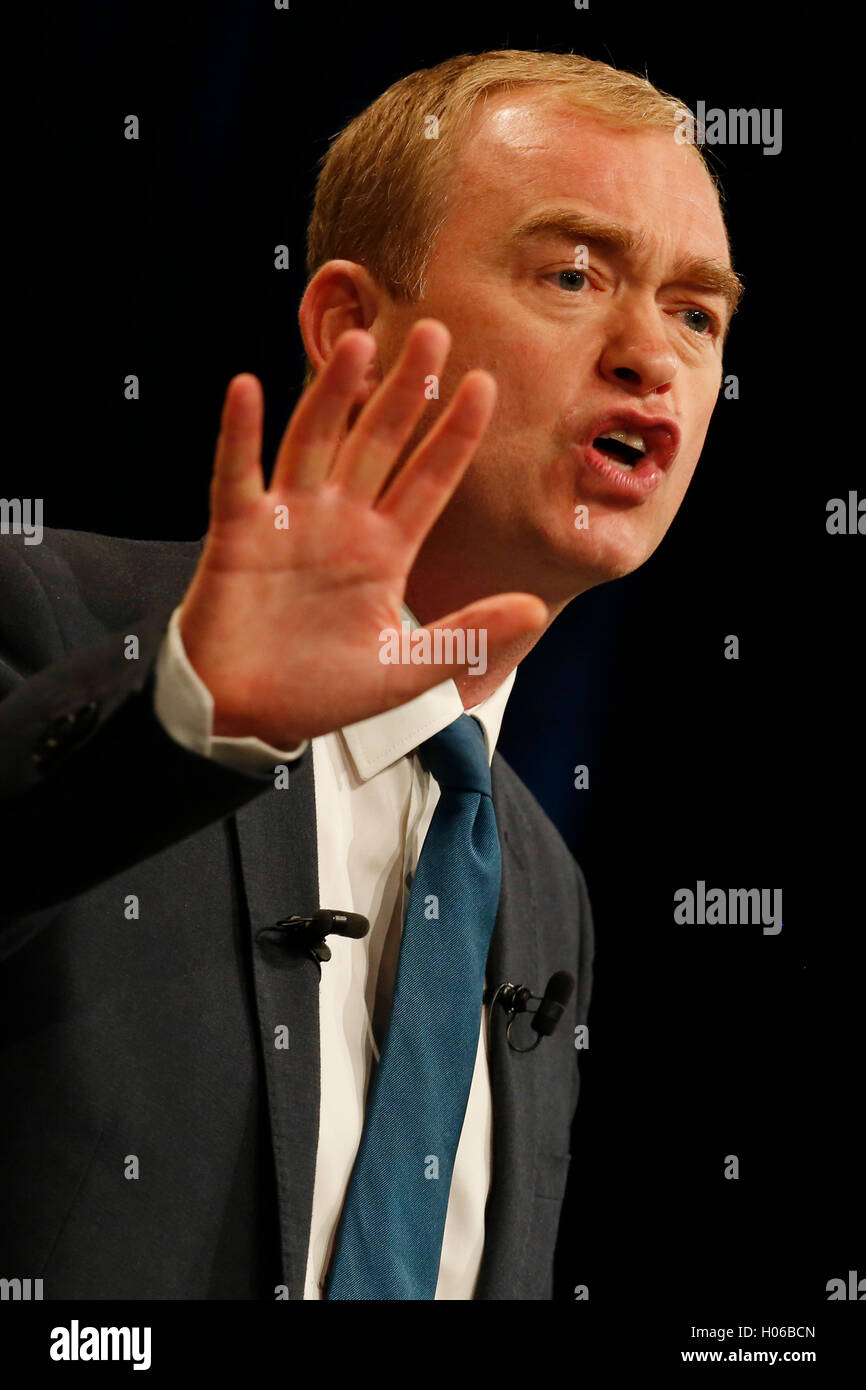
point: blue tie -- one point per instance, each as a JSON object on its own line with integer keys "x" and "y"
{"x": 390, "y": 1238}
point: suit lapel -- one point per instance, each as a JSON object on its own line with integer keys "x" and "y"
{"x": 278, "y": 851}
{"x": 513, "y": 956}
{"x": 277, "y": 844}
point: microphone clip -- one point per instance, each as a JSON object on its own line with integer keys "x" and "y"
{"x": 515, "y": 999}
{"x": 308, "y": 933}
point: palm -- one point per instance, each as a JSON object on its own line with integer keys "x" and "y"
{"x": 296, "y": 584}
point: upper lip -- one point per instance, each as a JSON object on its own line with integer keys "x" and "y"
{"x": 660, "y": 435}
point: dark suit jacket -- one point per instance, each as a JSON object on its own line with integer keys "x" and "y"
{"x": 152, "y": 1039}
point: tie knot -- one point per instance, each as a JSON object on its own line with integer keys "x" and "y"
{"x": 457, "y": 756}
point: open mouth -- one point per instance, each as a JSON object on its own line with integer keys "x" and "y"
{"x": 622, "y": 447}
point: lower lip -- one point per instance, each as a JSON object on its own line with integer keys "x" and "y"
{"x": 636, "y": 484}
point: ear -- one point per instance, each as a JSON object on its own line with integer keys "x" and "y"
{"x": 341, "y": 295}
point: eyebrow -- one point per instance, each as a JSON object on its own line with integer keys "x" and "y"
{"x": 701, "y": 272}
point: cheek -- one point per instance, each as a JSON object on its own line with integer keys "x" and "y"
{"x": 532, "y": 388}
{"x": 525, "y": 363}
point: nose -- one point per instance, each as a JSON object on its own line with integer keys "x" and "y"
{"x": 637, "y": 354}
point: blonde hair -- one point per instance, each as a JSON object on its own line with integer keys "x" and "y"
{"x": 381, "y": 195}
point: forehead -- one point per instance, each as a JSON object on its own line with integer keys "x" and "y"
{"x": 530, "y": 150}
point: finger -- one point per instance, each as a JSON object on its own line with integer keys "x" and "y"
{"x": 312, "y": 436}
{"x": 464, "y": 641}
{"x": 237, "y": 477}
{"x": 389, "y": 417}
{"x": 422, "y": 488}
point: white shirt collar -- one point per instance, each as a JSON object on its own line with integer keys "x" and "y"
{"x": 374, "y": 744}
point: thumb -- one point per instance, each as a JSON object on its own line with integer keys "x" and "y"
{"x": 462, "y": 641}
{"x": 501, "y": 619}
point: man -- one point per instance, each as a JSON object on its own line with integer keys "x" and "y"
{"x": 520, "y": 285}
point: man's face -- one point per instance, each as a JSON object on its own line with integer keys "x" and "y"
{"x": 629, "y": 338}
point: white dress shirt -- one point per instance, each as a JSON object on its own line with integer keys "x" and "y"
{"x": 374, "y": 804}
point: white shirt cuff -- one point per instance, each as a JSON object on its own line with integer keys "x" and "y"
{"x": 184, "y": 708}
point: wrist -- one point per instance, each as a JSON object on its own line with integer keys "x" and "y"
{"x": 244, "y": 726}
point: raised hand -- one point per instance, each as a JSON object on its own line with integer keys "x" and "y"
{"x": 283, "y": 625}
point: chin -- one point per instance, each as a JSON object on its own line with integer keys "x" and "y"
{"x": 611, "y": 555}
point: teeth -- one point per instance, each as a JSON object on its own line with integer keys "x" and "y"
{"x": 634, "y": 441}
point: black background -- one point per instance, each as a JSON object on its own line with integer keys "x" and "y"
{"x": 156, "y": 257}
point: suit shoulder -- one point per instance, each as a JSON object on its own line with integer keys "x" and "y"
{"x": 83, "y": 551}
{"x": 112, "y": 577}
{"x": 537, "y": 829}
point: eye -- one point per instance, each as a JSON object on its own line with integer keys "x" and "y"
{"x": 701, "y": 321}
{"x": 569, "y": 280}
